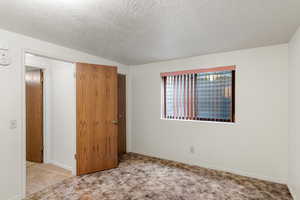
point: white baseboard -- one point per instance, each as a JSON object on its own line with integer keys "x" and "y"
{"x": 251, "y": 175}
{"x": 293, "y": 192}
{"x": 222, "y": 168}
{"x": 247, "y": 174}
{"x": 17, "y": 197}
{"x": 61, "y": 165}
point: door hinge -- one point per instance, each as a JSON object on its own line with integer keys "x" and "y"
{"x": 75, "y": 156}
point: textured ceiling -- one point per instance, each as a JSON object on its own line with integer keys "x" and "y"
{"x": 142, "y": 31}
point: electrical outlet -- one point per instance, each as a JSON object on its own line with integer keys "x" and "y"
{"x": 13, "y": 124}
{"x": 192, "y": 149}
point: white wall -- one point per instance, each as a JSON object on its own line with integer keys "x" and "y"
{"x": 256, "y": 145}
{"x": 63, "y": 114}
{"x": 294, "y": 110}
{"x": 12, "y": 152}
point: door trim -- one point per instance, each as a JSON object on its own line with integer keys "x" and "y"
{"x": 125, "y": 116}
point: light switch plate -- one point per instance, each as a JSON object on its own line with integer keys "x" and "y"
{"x": 4, "y": 57}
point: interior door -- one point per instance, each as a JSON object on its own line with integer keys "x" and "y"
{"x": 96, "y": 91}
{"x": 34, "y": 116}
{"x": 121, "y": 114}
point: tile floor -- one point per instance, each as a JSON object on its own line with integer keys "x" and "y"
{"x": 41, "y": 176}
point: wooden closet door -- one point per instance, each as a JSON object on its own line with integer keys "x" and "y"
{"x": 34, "y": 116}
{"x": 96, "y": 118}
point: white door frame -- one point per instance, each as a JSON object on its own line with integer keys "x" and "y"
{"x": 23, "y": 110}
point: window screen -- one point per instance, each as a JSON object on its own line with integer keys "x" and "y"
{"x": 199, "y": 94}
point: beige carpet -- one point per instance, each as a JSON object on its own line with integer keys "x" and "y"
{"x": 140, "y": 177}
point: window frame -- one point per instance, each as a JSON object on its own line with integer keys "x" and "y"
{"x": 206, "y": 70}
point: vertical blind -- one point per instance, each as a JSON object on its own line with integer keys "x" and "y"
{"x": 206, "y": 94}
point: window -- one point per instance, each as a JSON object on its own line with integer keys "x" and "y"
{"x": 204, "y": 94}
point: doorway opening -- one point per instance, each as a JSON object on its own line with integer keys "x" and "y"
{"x": 50, "y": 122}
